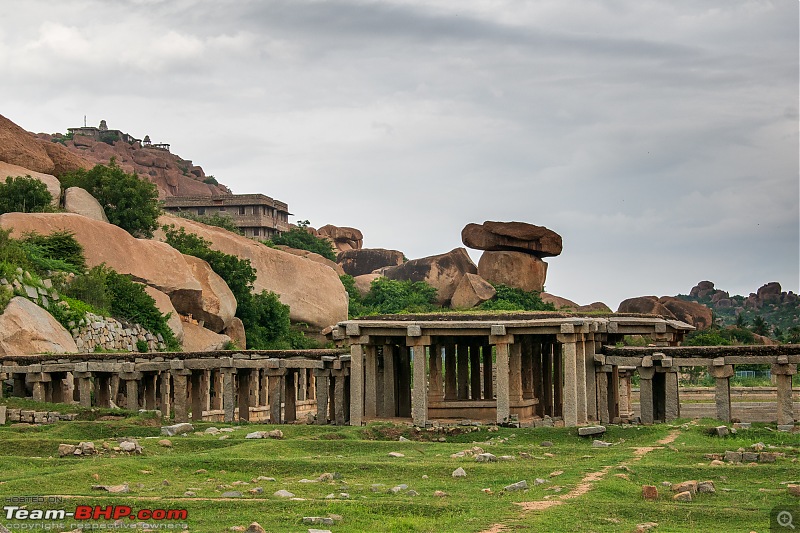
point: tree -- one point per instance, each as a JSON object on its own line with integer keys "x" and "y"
{"x": 760, "y": 326}
{"x": 300, "y": 238}
{"x": 24, "y": 195}
{"x": 129, "y": 202}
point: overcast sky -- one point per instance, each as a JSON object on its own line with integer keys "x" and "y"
{"x": 659, "y": 139}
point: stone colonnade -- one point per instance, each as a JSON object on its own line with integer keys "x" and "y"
{"x": 253, "y": 386}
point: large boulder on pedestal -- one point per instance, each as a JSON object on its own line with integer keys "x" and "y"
{"x": 443, "y": 272}
{"x": 80, "y": 202}
{"x": 150, "y": 262}
{"x": 471, "y": 291}
{"x": 514, "y": 269}
{"x": 8, "y": 170}
{"x": 217, "y": 306}
{"x": 512, "y": 236}
{"x": 343, "y": 238}
{"x": 367, "y": 260}
{"x": 314, "y": 293}
{"x": 26, "y": 328}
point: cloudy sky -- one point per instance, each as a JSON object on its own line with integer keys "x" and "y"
{"x": 659, "y": 138}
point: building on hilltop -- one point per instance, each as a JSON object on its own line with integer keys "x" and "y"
{"x": 256, "y": 215}
{"x": 103, "y": 134}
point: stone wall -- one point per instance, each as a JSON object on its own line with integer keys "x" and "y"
{"x": 104, "y": 333}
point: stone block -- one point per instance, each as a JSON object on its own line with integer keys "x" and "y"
{"x": 690, "y": 486}
{"x": 742, "y": 425}
{"x": 649, "y": 492}
{"x": 785, "y": 427}
{"x": 685, "y": 496}
{"x": 519, "y": 485}
{"x": 749, "y": 457}
{"x": 177, "y": 429}
{"x": 733, "y": 457}
{"x": 767, "y": 457}
{"x": 720, "y": 431}
{"x": 591, "y": 430}
{"x": 706, "y": 487}
{"x": 3, "y": 410}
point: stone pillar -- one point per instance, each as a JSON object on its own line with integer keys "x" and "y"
{"x": 228, "y": 393}
{"x": 722, "y": 374}
{"x": 783, "y": 373}
{"x": 389, "y": 385}
{"x": 569, "y": 351}
{"x": 475, "y": 371}
{"x": 276, "y": 379}
{"x": 450, "y": 380}
{"x": 502, "y": 344}
{"x": 624, "y": 392}
{"x": 339, "y": 395}
{"x": 165, "y": 386}
{"x": 243, "y": 393}
{"x": 419, "y": 397}
{"x": 526, "y": 369}
{"x": 302, "y": 383}
{"x": 646, "y": 393}
{"x": 514, "y": 373}
{"x": 488, "y": 379}
{"x": 103, "y": 384}
{"x": 404, "y": 381}
{"x": 263, "y": 388}
{"x": 290, "y": 397}
{"x": 462, "y": 355}
{"x": 613, "y": 394}
{"x": 150, "y": 385}
{"x": 179, "y": 382}
{"x": 322, "y": 382}
{"x": 580, "y": 367}
{"x": 602, "y": 379}
{"x": 84, "y": 388}
{"x": 197, "y": 399}
{"x": 591, "y": 383}
{"x": 558, "y": 380}
{"x": 370, "y": 381}
{"x": 38, "y": 391}
{"x": 132, "y": 391}
{"x": 356, "y": 383}
{"x": 672, "y": 406}
{"x": 436, "y": 386}
{"x": 3, "y": 377}
{"x": 547, "y": 378}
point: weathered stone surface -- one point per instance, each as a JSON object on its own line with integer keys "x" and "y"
{"x": 649, "y": 492}
{"x": 733, "y": 457}
{"x": 459, "y": 472}
{"x": 154, "y": 263}
{"x": 80, "y": 202}
{"x": 559, "y": 302}
{"x": 591, "y": 430}
{"x": 364, "y": 282}
{"x": 63, "y": 160}
{"x": 217, "y": 305}
{"x": 706, "y": 487}
{"x": 176, "y": 429}
{"x": 690, "y": 486}
{"x": 283, "y": 494}
{"x": 519, "y": 485}
{"x": 594, "y": 306}
{"x": 685, "y": 496}
{"x": 200, "y": 339}
{"x": 443, "y": 272}
{"x": 311, "y": 256}
{"x": 515, "y": 269}
{"x": 26, "y": 328}
{"x": 670, "y": 307}
{"x": 50, "y": 181}
{"x": 471, "y": 291}
{"x": 285, "y": 274}
{"x": 647, "y": 305}
{"x": 512, "y": 236}
{"x": 235, "y": 331}
{"x": 3, "y": 410}
{"x": 367, "y": 260}
{"x": 255, "y": 527}
{"x": 164, "y": 305}
{"x": 485, "y": 458}
{"x": 343, "y": 238}
{"x": 20, "y": 147}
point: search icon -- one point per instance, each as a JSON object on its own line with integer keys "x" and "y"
{"x": 785, "y": 519}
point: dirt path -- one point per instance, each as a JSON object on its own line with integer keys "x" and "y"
{"x": 586, "y": 484}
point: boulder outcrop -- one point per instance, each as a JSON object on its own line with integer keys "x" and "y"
{"x": 235, "y": 331}
{"x": 471, "y": 291}
{"x": 151, "y": 262}
{"x": 364, "y": 282}
{"x": 63, "y": 160}
{"x": 200, "y": 339}
{"x": 80, "y": 202}
{"x": 512, "y": 236}
{"x": 50, "y": 181}
{"x": 164, "y": 305}
{"x": 26, "y": 328}
{"x": 645, "y": 305}
{"x": 515, "y": 269}
{"x": 568, "y": 305}
{"x": 367, "y": 260}
{"x": 21, "y": 148}
{"x": 313, "y": 292}
{"x": 692, "y": 313}
{"x": 217, "y": 303}
{"x": 443, "y": 272}
{"x": 311, "y": 256}
{"x": 343, "y": 238}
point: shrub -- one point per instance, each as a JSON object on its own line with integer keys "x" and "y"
{"x": 129, "y": 202}
{"x": 513, "y": 299}
{"x": 220, "y": 221}
{"x": 210, "y": 180}
{"x": 300, "y": 238}
{"x": 355, "y": 302}
{"x": 58, "y": 251}
{"x": 91, "y": 287}
{"x": 24, "y": 195}
{"x": 142, "y": 347}
{"x": 388, "y": 296}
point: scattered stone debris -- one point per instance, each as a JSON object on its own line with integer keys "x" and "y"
{"x": 690, "y": 486}
{"x": 273, "y": 434}
{"x": 83, "y": 448}
{"x": 485, "y": 458}
{"x": 398, "y": 488}
{"x": 706, "y": 487}
{"x": 459, "y": 472}
{"x": 232, "y": 494}
{"x": 176, "y": 429}
{"x": 114, "y": 489}
{"x": 646, "y": 526}
{"x": 318, "y": 520}
{"x": 439, "y": 494}
{"x": 684, "y": 496}
{"x": 519, "y": 485}
{"x": 396, "y": 454}
{"x": 649, "y": 492}
{"x": 255, "y": 527}
{"x": 591, "y": 430}
{"x": 720, "y": 431}
{"x": 600, "y": 444}
{"x": 283, "y": 494}
{"x": 540, "y": 481}
{"x": 475, "y": 450}
{"x": 556, "y": 473}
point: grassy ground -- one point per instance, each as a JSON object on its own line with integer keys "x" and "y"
{"x": 159, "y": 478}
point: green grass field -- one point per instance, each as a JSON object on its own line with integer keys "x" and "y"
{"x": 159, "y": 478}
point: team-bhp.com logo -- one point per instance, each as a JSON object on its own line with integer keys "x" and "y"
{"x": 94, "y": 512}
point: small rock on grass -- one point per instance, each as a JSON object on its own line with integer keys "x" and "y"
{"x": 232, "y": 494}
{"x": 647, "y": 526}
{"x": 283, "y": 494}
{"x": 649, "y": 492}
{"x": 176, "y": 429}
{"x": 519, "y": 485}
{"x": 440, "y": 494}
{"x": 396, "y": 454}
{"x": 255, "y": 527}
{"x": 591, "y": 430}
{"x": 459, "y": 472}
{"x": 165, "y": 443}
{"x": 684, "y": 496}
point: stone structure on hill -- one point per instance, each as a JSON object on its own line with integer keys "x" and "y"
{"x": 256, "y": 215}
{"x": 513, "y": 252}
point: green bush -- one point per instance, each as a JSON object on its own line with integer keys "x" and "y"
{"x": 58, "y": 251}
{"x": 210, "y": 180}
{"x": 129, "y": 202}
{"x": 142, "y": 347}
{"x": 220, "y": 221}
{"x": 355, "y": 302}
{"x": 91, "y": 287}
{"x": 513, "y": 299}
{"x": 388, "y": 296}
{"x": 301, "y": 239}
{"x": 24, "y": 195}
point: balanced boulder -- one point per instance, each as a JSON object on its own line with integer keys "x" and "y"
{"x": 514, "y": 269}
{"x": 367, "y": 260}
{"x": 443, "y": 272}
{"x": 343, "y": 238}
{"x": 80, "y": 202}
{"x": 512, "y": 236}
